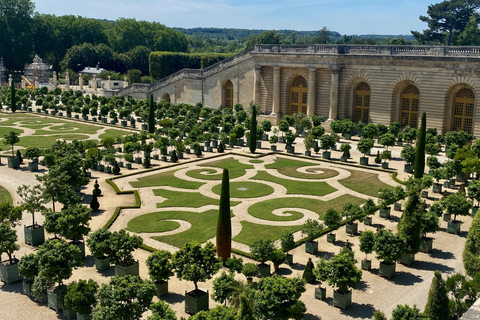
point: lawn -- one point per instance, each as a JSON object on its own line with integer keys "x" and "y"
{"x": 364, "y": 182}
{"x": 5, "y": 196}
{"x": 263, "y": 210}
{"x": 186, "y": 199}
{"x": 289, "y": 168}
{"x": 72, "y": 127}
{"x": 252, "y": 232}
{"x": 48, "y": 141}
{"x": 164, "y": 179}
{"x": 245, "y": 189}
{"x": 319, "y": 188}
{"x": 113, "y": 133}
{"x": 203, "y": 226}
{"x": 235, "y": 169}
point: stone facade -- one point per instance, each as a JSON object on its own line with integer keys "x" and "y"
{"x": 396, "y": 83}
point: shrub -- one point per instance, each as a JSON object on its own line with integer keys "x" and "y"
{"x": 80, "y": 296}
{"x": 308, "y": 275}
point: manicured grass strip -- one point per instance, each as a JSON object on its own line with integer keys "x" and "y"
{"x": 6, "y": 130}
{"x": 319, "y": 188}
{"x": 165, "y": 179}
{"x": 5, "y": 196}
{"x": 364, "y": 182}
{"x": 204, "y": 226}
{"x": 70, "y": 127}
{"x": 289, "y": 168}
{"x": 113, "y": 133}
{"x": 256, "y": 161}
{"x": 235, "y": 169}
{"x": 48, "y": 141}
{"x": 245, "y": 189}
{"x": 394, "y": 177}
{"x": 117, "y": 210}
{"x": 263, "y": 210}
{"x": 151, "y": 225}
{"x": 252, "y": 232}
{"x": 186, "y": 199}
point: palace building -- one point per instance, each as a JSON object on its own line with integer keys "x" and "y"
{"x": 371, "y": 83}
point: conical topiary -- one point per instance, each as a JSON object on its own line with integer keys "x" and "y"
{"x": 252, "y": 142}
{"x": 146, "y": 163}
{"x": 437, "y": 307}
{"x": 94, "y": 204}
{"x": 308, "y": 275}
{"x": 116, "y": 168}
{"x": 174, "y": 157}
{"x": 19, "y": 156}
{"x": 224, "y": 224}
{"x": 221, "y": 149}
{"x": 198, "y": 152}
{"x": 151, "y": 116}
{"x": 96, "y": 189}
{"x": 419, "y": 167}
{"x": 12, "y": 98}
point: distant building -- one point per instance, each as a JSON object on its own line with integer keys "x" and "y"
{"x": 92, "y": 71}
{"x": 38, "y": 69}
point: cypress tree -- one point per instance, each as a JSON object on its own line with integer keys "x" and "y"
{"x": 174, "y": 157}
{"x": 19, "y": 156}
{"x": 410, "y": 225}
{"x": 308, "y": 275}
{"x": 151, "y": 116}
{"x": 252, "y": 142}
{"x": 437, "y": 307}
{"x": 224, "y": 224}
{"x": 420, "y": 155}
{"x": 12, "y": 91}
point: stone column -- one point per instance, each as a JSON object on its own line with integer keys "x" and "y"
{"x": 125, "y": 82}
{"x": 332, "y": 115}
{"x": 312, "y": 75}
{"x": 109, "y": 86}
{"x": 276, "y": 90}
{"x": 37, "y": 83}
{"x": 256, "y": 86}
{"x": 67, "y": 81}
{"x": 10, "y": 80}
{"x": 50, "y": 84}
{"x": 54, "y": 79}
{"x": 94, "y": 82}
{"x": 80, "y": 82}
{"x": 24, "y": 86}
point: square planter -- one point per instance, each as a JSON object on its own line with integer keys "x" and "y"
{"x": 53, "y": 113}
{"x": 259, "y": 144}
{"x": 289, "y": 258}
{"x": 9, "y": 272}
{"x": 343, "y": 159}
{"x": 69, "y": 314}
{"x": 33, "y": 166}
{"x": 426, "y": 244}
{"x": 85, "y": 118}
{"x": 27, "y": 287}
{"x": 38, "y": 110}
{"x": 273, "y": 147}
{"x": 34, "y": 234}
{"x": 195, "y": 303}
{"x": 265, "y": 137}
{"x": 164, "y": 158}
{"x": 347, "y": 136}
{"x": 121, "y": 271}
{"x": 397, "y": 206}
{"x": 408, "y": 168}
{"x": 387, "y": 270}
{"x": 104, "y": 120}
{"x": 424, "y": 194}
{"x": 108, "y": 169}
{"x": 128, "y": 165}
{"x": 320, "y": 293}
{"x": 452, "y": 183}
{"x": 290, "y": 149}
{"x": 364, "y": 161}
{"x": 264, "y": 270}
{"x": 342, "y": 301}
{"x": 281, "y": 139}
{"x": 209, "y": 149}
{"x": 102, "y": 264}
{"x": 454, "y": 227}
{"x": 437, "y": 188}
{"x": 101, "y": 168}
{"x": 447, "y": 217}
{"x": 308, "y": 153}
{"x": 311, "y": 247}
{"x": 326, "y": 155}
{"x": 366, "y": 265}
{"x": 331, "y": 237}
{"x": 144, "y": 126}
{"x": 384, "y": 165}
{"x": 138, "y": 160}
{"x": 84, "y": 316}
{"x": 161, "y": 288}
{"x": 407, "y": 259}
{"x": 80, "y": 245}
{"x": 155, "y": 157}
{"x": 385, "y": 212}
{"x": 368, "y": 220}
{"x": 55, "y": 297}
{"x": 240, "y": 142}
{"x": 94, "y": 119}
{"x": 180, "y": 155}
{"x": 351, "y": 228}
{"x": 123, "y": 123}
{"x": 13, "y": 162}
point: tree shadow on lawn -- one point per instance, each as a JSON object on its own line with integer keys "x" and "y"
{"x": 430, "y": 266}
{"x": 357, "y": 310}
{"x": 440, "y": 254}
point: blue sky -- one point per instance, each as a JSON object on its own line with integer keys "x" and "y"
{"x": 344, "y": 16}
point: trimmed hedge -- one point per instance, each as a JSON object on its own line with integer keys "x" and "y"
{"x": 163, "y": 64}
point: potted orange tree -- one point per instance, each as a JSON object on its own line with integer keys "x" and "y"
{"x": 160, "y": 269}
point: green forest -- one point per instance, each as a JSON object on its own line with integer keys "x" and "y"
{"x": 125, "y": 46}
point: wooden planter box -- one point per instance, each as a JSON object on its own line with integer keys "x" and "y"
{"x": 101, "y": 168}
{"x": 138, "y": 160}
{"x": 426, "y": 244}
{"x": 366, "y": 265}
{"x": 289, "y": 258}
{"x": 80, "y": 245}
{"x": 342, "y": 301}
{"x": 387, "y": 270}
{"x": 13, "y": 162}
{"x": 102, "y": 264}
{"x": 331, "y": 237}
{"x": 368, "y": 220}
{"x": 144, "y": 126}
{"x": 33, "y": 166}
{"x": 263, "y": 270}
{"x": 128, "y": 165}
{"x": 320, "y": 293}
{"x": 311, "y": 247}
{"x": 326, "y": 155}
{"x": 437, "y": 188}
{"x": 196, "y": 303}
{"x": 407, "y": 259}
{"x": 87, "y": 316}
{"x": 259, "y": 144}
{"x": 343, "y": 159}
{"x": 424, "y": 194}
{"x": 385, "y": 212}
{"x": 351, "y": 228}
{"x": 69, "y": 314}
{"x": 397, "y": 206}
{"x": 265, "y": 137}
{"x": 133, "y": 270}
{"x": 123, "y": 123}
{"x": 27, "y": 287}
{"x": 447, "y": 217}
{"x": 9, "y": 272}
{"x": 454, "y": 227}
{"x": 34, "y": 234}
{"x": 290, "y": 149}
{"x": 273, "y": 147}
{"x": 308, "y": 153}
{"x": 55, "y": 297}
{"x": 364, "y": 161}
{"x": 161, "y": 288}
{"x": 384, "y": 165}
{"x": 408, "y": 168}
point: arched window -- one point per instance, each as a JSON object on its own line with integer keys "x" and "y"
{"x": 361, "y": 105}
{"x": 166, "y": 97}
{"x": 229, "y": 94}
{"x": 410, "y": 101}
{"x": 463, "y": 106}
{"x": 298, "y": 95}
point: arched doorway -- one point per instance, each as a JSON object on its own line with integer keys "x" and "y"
{"x": 298, "y": 95}
{"x": 410, "y": 101}
{"x": 361, "y": 106}
{"x": 166, "y": 97}
{"x": 228, "y": 94}
{"x": 463, "y": 107}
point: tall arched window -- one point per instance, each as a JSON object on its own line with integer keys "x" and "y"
{"x": 229, "y": 94}
{"x": 463, "y": 106}
{"x": 361, "y": 105}
{"x": 298, "y": 95}
{"x": 166, "y": 97}
{"x": 410, "y": 101}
